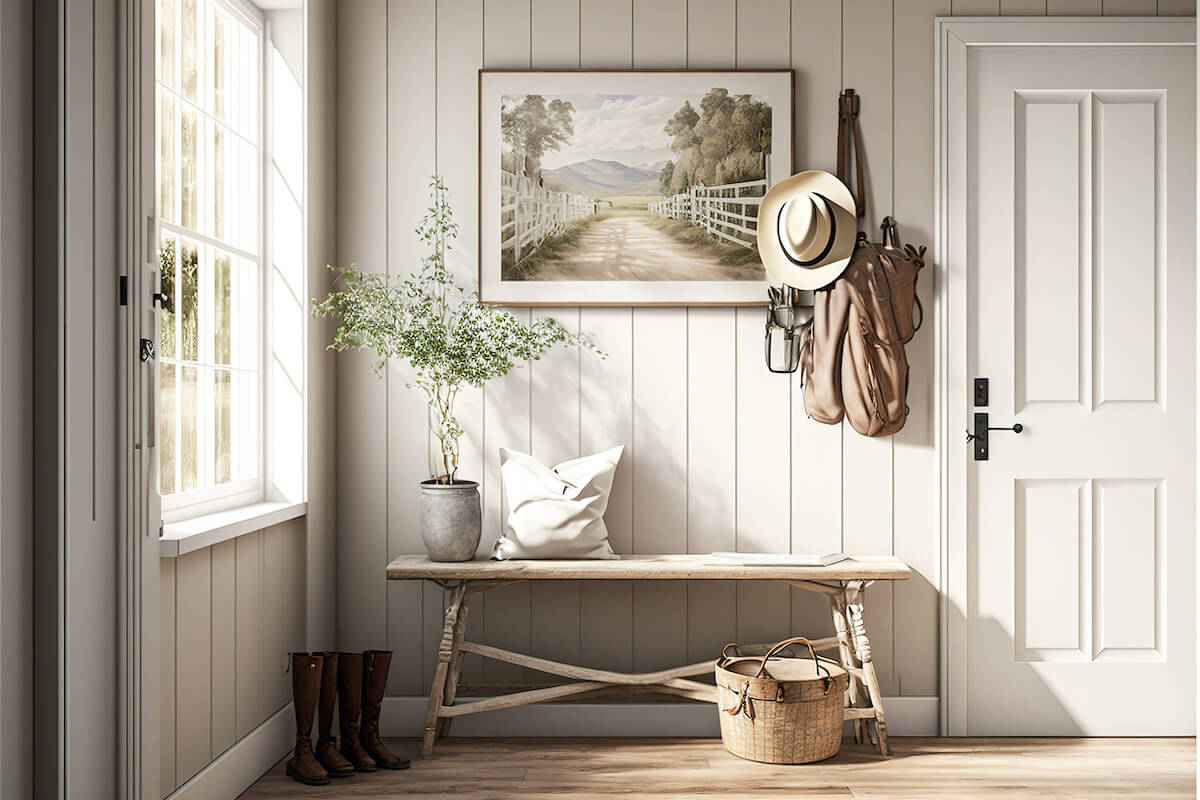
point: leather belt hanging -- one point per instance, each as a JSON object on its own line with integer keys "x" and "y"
{"x": 850, "y": 147}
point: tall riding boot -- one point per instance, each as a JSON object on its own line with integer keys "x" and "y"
{"x": 327, "y": 752}
{"x": 350, "y": 674}
{"x": 376, "y": 664}
{"x": 306, "y": 685}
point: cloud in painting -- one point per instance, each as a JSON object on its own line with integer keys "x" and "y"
{"x": 625, "y": 128}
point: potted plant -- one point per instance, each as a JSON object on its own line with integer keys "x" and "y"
{"x": 450, "y": 341}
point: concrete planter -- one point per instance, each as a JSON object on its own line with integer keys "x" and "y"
{"x": 450, "y": 520}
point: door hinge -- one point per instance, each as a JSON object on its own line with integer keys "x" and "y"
{"x": 123, "y": 290}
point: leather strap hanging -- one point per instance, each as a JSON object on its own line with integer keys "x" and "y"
{"x": 850, "y": 147}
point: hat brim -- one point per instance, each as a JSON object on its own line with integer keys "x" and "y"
{"x": 781, "y": 270}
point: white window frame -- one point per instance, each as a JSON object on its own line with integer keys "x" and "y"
{"x": 198, "y": 502}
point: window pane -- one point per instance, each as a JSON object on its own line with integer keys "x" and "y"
{"x": 189, "y": 143}
{"x": 166, "y": 42}
{"x": 221, "y": 58}
{"x": 189, "y": 29}
{"x": 222, "y": 427}
{"x": 219, "y": 186}
{"x": 168, "y": 157}
{"x": 166, "y": 317}
{"x": 189, "y": 417}
{"x": 188, "y": 306}
{"x": 166, "y": 429}
{"x": 222, "y": 309}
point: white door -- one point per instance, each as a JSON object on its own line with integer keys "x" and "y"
{"x": 1078, "y": 284}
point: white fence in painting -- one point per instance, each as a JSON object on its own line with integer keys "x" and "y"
{"x": 728, "y": 212}
{"x": 529, "y": 213}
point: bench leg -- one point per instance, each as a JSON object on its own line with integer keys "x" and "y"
{"x": 847, "y": 656}
{"x": 862, "y": 649}
{"x": 456, "y": 663}
{"x": 437, "y": 692}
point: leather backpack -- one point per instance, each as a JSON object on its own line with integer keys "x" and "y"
{"x": 852, "y": 351}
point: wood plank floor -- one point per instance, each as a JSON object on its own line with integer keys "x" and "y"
{"x": 675, "y": 769}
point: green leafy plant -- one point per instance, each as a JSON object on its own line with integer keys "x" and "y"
{"x": 449, "y": 339}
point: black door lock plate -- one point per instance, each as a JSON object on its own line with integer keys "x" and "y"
{"x": 981, "y": 391}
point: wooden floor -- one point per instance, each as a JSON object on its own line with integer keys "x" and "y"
{"x": 674, "y": 769}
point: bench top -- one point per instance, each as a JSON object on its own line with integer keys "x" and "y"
{"x": 662, "y": 567}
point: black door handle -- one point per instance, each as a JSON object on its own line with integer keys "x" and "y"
{"x": 980, "y": 436}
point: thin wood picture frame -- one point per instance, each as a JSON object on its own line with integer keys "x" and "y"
{"x": 575, "y": 209}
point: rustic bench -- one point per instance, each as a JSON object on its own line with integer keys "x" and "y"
{"x": 842, "y": 583}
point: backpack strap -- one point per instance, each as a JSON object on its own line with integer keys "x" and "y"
{"x": 850, "y": 147}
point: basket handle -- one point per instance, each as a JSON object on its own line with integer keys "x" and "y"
{"x": 762, "y": 667}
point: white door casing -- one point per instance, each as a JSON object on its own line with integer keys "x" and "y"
{"x": 1066, "y": 255}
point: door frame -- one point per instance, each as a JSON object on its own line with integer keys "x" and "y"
{"x": 953, "y": 37}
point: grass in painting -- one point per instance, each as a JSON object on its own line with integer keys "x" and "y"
{"x": 549, "y": 250}
{"x": 697, "y": 237}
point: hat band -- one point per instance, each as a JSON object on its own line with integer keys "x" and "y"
{"x": 828, "y": 244}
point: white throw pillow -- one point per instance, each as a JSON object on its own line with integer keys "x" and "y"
{"x": 555, "y": 512}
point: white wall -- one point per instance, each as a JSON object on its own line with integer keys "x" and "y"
{"x": 719, "y": 453}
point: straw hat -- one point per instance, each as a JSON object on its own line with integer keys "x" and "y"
{"x": 807, "y": 225}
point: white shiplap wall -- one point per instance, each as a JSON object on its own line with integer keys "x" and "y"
{"x": 719, "y": 453}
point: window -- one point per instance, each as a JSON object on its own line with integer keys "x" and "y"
{"x": 210, "y": 176}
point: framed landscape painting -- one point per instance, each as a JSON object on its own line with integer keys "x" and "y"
{"x": 628, "y": 187}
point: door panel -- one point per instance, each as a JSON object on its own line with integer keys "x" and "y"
{"x": 1080, "y": 280}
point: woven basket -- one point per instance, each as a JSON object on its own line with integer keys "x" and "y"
{"x": 780, "y": 710}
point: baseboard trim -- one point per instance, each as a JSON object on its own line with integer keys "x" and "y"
{"x": 247, "y": 760}
{"x": 405, "y": 716}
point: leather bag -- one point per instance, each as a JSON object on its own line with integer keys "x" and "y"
{"x": 852, "y": 352}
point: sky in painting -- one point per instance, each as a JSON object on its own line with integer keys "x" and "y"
{"x": 624, "y": 128}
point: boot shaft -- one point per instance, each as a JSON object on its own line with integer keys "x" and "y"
{"x": 376, "y": 664}
{"x": 306, "y": 688}
{"x": 329, "y": 688}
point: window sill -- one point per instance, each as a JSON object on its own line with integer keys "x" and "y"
{"x": 181, "y": 538}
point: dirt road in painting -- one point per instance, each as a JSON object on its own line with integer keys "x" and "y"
{"x": 625, "y": 248}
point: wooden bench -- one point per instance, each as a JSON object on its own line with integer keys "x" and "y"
{"x": 842, "y": 583}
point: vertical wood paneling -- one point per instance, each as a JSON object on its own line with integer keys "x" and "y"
{"x": 867, "y": 463}
{"x": 411, "y": 103}
{"x": 1074, "y": 8}
{"x": 1176, "y": 8}
{"x": 606, "y": 386}
{"x": 362, "y": 412}
{"x": 193, "y": 670}
{"x": 554, "y": 402}
{"x": 660, "y": 429}
{"x": 1008, "y": 8}
{"x": 980, "y": 8}
{"x": 816, "y": 489}
{"x": 1129, "y": 8}
{"x": 248, "y": 679}
{"x": 763, "y": 455}
{"x": 606, "y": 420}
{"x": 659, "y": 480}
{"x": 712, "y": 392}
{"x": 276, "y": 681}
{"x": 505, "y": 613}
{"x": 166, "y": 677}
{"x": 224, "y": 645}
{"x": 915, "y": 498}
{"x": 605, "y": 33}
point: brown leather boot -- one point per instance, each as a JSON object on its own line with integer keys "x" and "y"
{"x": 326, "y": 751}
{"x": 350, "y": 674}
{"x": 306, "y": 686}
{"x": 376, "y": 664}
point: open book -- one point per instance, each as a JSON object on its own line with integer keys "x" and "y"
{"x": 778, "y": 559}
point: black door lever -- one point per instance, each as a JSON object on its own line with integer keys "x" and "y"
{"x": 980, "y": 436}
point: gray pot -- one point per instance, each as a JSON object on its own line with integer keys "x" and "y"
{"x": 450, "y": 520}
